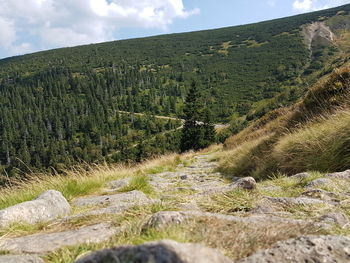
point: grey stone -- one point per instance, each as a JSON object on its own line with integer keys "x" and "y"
{"x": 20, "y": 259}
{"x": 118, "y": 184}
{"x": 300, "y": 176}
{"x": 295, "y": 201}
{"x": 319, "y": 182}
{"x": 247, "y": 183}
{"x": 165, "y": 251}
{"x": 311, "y": 249}
{"x": 46, "y": 207}
{"x": 44, "y": 243}
{"x": 335, "y": 218}
{"x": 340, "y": 175}
{"x": 166, "y": 218}
{"x": 117, "y": 199}
{"x": 321, "y": 194}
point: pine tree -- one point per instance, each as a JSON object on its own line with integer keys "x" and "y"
{"x": 191, "y": 133}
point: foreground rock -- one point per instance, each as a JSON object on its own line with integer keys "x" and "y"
{"x": 20, "y": 259}
{"x": 310, "y": 249}
{"x": 166, "y": 251}
{"x": 46, "y": 207}
{"x": 44, "y": 243}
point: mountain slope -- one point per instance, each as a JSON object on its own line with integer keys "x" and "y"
{"x": 62, "y": 106}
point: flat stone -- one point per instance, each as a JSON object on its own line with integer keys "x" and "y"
{"x": 335, "y": 218}
{"x": 295, "y": 201}
{"x": 45, "y": 243}
{"x": 247, "y": 183}
{"x": 319, "y": 182}
{"x": 321, "y": 194}
{"x": 118, "y": 184}
{"x": 20, "y": 259}
{"x": 340, "y": 175}
{"x": 46, "y": 207}
{"x": 166, "y": 218}
{"x": 165, "y": 251}
{"x": 117, "y": 199}
{"x": 300, "y": 176}
{"x": 311, "y": 249}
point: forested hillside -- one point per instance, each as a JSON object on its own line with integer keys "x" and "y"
{"x": 62, "y": 106}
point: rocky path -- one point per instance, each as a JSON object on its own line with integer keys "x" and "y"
{"x": 195, "y": 191}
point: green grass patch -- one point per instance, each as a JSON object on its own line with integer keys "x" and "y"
{"x": 140, "y": 183}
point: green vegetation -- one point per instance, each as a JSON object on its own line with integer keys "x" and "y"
{"x": 138, "y": 182}
{"x": 63, "y": 107}
{"x": 312, "y": 135}
{"x": 198, "y": 131}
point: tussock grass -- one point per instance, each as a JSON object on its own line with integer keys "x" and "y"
{"x": 238, "y": 200}
{"x": 79, "y": 181}
{"x": 322, "y": 146}
{"x": 313, "y": 134}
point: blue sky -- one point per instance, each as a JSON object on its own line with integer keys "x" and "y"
{"x": 33, "y": 25}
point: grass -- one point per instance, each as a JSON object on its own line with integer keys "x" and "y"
{"x": 80, "y": 182}
{"x": 311, "y": 135}
{"x": 238, "y": 200}
{"x": 140, "y": 183}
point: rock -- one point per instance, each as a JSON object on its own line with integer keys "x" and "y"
{"x": 319, "y": 182}
{"x": 165, "y": 251}
{"x": 44, "y": 243}
{"x": 118, "y": 184}
{"x": 167, "y": 218}
{"x": 295, "y": 201}
{"x": 247, "y": 183}
{"x": 20, "y": 259}
{"x": 335, "y": 218}
{"x": 117, "y": 199}
{"x": 340, "y": 175}
{"x": 300, "y": 176}
{"x": 321, "y": 194}
{"x": 311, "y": 249}
{"x": 184, "y": 177}
{"x": 46, "y": 207}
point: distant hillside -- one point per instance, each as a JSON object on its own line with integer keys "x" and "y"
{"x": 61, "y": 106}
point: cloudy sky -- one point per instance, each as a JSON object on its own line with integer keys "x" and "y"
{"x": 32, "y": 25}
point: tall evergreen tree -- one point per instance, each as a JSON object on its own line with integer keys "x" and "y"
{"x": 208, "y": 129}
{"x": 192, "y": 133}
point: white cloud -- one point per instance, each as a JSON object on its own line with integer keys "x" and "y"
{"x": 56, "y": 23}
{"x": 313, "y": 5}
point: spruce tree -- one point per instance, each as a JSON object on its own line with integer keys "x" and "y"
{"x": 208, "y": 129}
{"x": 191, "y": 136}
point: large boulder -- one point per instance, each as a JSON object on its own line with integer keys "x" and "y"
{"x": 46, "y": 207}
{"x": 166, "y": 251}
{"x": 311, "y": 249}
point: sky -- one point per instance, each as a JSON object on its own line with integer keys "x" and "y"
{"x": 32, "y": 25}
